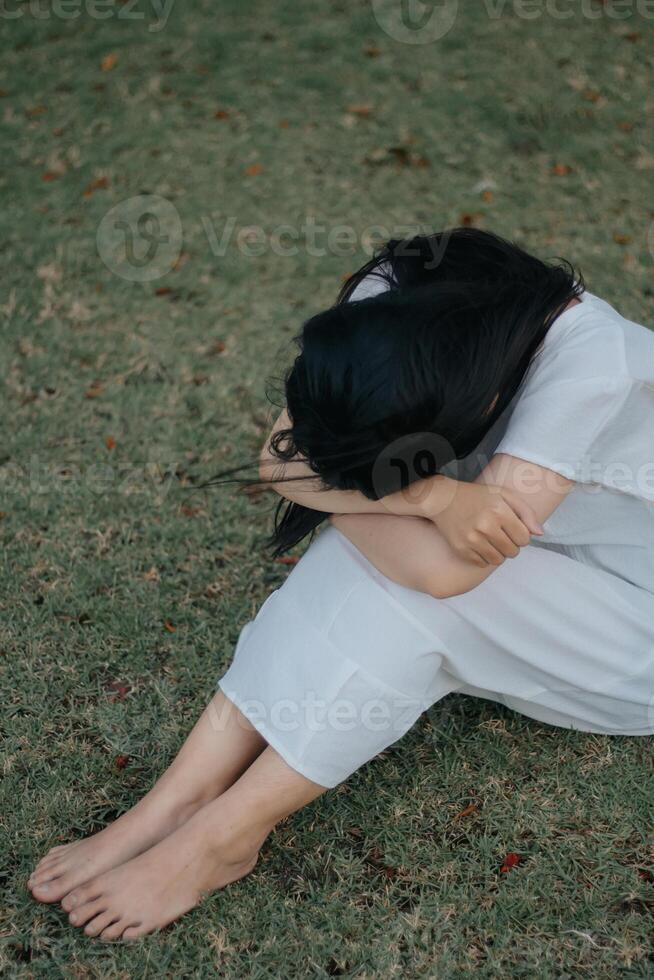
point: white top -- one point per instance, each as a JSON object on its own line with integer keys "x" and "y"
{"x": 585, "y": 409}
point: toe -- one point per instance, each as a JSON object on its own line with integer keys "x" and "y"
{"x": 133, "y": 932}
{"x": 83, "y": 915}
{"x": 50, "y": 889}
{"x": 46, "y": 873}
{"x": 54, "y": 852}
{"x": 45, "y": 861}
{"x": 69, "y": 901}
{"x": 81, "y": 896}
{"x": 45, "y": 867}
{"x": 96, "y": 925}
{"x": 53, "y": 855}
{"x": 113, "y": 932}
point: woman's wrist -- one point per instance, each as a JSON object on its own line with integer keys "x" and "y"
{"x": 423, "y": 498}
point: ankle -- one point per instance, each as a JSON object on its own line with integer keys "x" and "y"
{"x": 235, "y": 842}
{"x": 178, "y": 807}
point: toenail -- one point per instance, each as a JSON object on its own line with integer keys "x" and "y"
{"x": 73, "y": 918}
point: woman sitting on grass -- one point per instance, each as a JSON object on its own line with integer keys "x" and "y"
{"x": 522, "y": 408}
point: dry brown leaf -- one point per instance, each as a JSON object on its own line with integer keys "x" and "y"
{"x": 467, "y": 811}
{"x": 99, "y": 184}
{"x": 469, "y": 220}
{"x": 94, "y": 390}
{"x": 360, "y": 110}
{"x": 109, "y": 62}
{"x": 189, "y": 511}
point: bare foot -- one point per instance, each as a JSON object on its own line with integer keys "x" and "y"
{"x": 65, "y": 867}
{"x": 160, "y": 885}
{"x": 218, "y": 750}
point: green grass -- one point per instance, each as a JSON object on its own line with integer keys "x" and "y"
{"x": 379, "y": 878}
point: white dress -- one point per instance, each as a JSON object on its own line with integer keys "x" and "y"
{"x": 341, "y": 661}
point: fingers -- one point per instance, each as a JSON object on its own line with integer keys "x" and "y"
{"x": 491, "y": 540}
{"x": 491, "y": 546}
{"x": 474, "y": 558}
{"x": 516, "y": 531}
{"x": 484, "y": 552}
{"x": 526, "y": 515}
{"x": 506, "y": 545}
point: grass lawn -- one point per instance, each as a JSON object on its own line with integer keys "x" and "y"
{"x": 124, "y": 589}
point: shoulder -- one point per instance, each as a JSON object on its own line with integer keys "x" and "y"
{"x": 590, "y": 341}
{"x": 585, "y": 410}
{"x": 593, "y": 339}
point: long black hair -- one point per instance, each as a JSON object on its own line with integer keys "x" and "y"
{"x": 431, "y": 363}
{"x": 443, "y": 351}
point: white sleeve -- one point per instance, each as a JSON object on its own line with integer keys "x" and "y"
{"x": 372, "y": 285}
{"x": 591, "y": 430}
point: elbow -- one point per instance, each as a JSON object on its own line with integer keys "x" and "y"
{"x": 444, "y": 587}
{"x": 437, "y": 591}
{"x": 430, "y": 584}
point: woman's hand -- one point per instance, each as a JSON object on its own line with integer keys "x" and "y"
{"x": 482, "y": 523}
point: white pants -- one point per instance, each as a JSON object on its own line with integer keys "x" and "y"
{"x": 340, "y": 661}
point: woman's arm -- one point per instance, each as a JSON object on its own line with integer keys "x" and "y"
{"x": 482, "y": 523}
{"x": 414, "y": 553}
{"x": 297, "y": 482}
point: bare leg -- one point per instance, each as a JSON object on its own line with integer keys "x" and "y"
{"x": 220, "y": 747}
{"x": 216, "y": 846}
